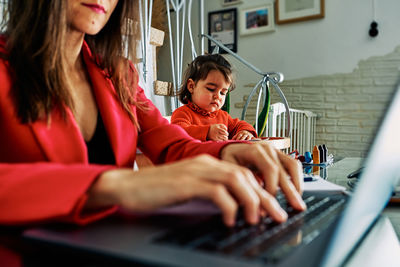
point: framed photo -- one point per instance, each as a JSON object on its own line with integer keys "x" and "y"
{"x": 288, "y": 11}
{"x": 222, "y": 26}
{"x": 231, "y": 2}
{"x": 257, "y": 19}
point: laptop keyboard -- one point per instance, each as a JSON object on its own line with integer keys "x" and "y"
{"x": 267, "y": 241}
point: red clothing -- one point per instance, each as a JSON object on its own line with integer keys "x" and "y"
{"x": 44, "y": 169}
{"x": 197, "y": 121}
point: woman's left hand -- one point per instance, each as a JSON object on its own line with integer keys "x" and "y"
{"x": 275, "y": 168}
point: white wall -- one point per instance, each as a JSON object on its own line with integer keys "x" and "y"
{"x": 324, "y": 46}
{"x": 334, "y": 44}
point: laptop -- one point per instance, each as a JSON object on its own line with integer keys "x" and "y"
{"x": 192, "y": 234}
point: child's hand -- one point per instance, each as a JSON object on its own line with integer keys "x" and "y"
{"x": 243, "y": 135}
{"x": 218, "y": 132}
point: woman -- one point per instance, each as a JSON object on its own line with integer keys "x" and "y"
{"x": 72, "y": 115}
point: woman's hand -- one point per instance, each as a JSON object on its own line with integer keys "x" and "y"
{"x": 243, "y": 135}
{"x": 275, "y": 168}
{"x": 226, "y": 184}
{"x": 218, "y": 132}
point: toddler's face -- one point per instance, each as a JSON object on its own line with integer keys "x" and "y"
{"x": 209, "y": 94}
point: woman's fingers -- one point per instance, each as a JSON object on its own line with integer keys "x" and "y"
{"x": 244, "y": 187}
{"x": 294, "y": 169}
{"x": 181, "y": 181}
{"x": 220, "y": 196}
{"x": 226, "y": 184}
{"x": 269, "y": 204}
{"x": 291, "y": 193}
{"x": 271, "y": 166}
{"x": 236, "y": 179}
{"x": 245, "y": 194}
{"x": 276, "y": 169}
{"x": 285, "y": 173}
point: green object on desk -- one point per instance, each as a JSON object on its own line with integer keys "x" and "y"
{"x": 263, "y": 117}
{"x": 227, "y": 105}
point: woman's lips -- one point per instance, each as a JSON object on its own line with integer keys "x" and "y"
{"x": 96, "y": 8}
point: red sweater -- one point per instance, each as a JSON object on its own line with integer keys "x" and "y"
{"x": 197, "y": 121}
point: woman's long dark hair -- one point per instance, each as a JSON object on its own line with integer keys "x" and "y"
{"x": 35, "y": 33}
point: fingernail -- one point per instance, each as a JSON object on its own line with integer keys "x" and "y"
{"x": 282, "y": 213}
{"x": 254, "y": 218}
{"x": 257, "y": 218}
{"x": 230, "y": 222}
{"x": 303, "y": 205}
{"x": 301, "y": 202}
{"x": 263, "y": 213}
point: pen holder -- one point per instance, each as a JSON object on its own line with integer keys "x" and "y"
{"x": 318, "y": 157}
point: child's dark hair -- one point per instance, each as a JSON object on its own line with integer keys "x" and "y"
{"x": 199, "y": 69}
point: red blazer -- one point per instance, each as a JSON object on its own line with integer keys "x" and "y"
{"x": 44, "y": 169}
{"x": 197, "y": 121}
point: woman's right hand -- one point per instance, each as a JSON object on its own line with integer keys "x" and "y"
{"x": 226, "y": 184}
{"x": 218, "y": 132}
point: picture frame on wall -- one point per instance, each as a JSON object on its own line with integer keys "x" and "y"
{"x": 222, "y": 25}
{"x": 257, "y": 19}
{"x": 230, "y": 2}
{"x": 288, "y": 11}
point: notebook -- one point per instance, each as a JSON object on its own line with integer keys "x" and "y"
{"x": 192, "y": 234}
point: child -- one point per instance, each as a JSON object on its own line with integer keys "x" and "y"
{"x": 206, "y": 82}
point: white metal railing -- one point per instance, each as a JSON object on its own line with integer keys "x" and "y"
{"x": 303, "y": 127}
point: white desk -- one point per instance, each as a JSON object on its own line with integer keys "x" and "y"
{"x": 337, "y": 173}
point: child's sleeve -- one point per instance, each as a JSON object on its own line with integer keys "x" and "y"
{"x": 184, "y": 119}
{"x": 236, "y": 125}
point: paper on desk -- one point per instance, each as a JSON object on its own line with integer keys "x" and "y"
{"x": 321, "y": 184}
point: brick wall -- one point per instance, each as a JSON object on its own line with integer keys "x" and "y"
{"x": 349, "y": 105}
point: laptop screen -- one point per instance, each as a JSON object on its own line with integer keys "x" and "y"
{"x": 376, "y": 184}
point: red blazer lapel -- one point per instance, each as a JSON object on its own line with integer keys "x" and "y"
{"x": 121, "y": 131}
{"x": 61, "y": 141}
